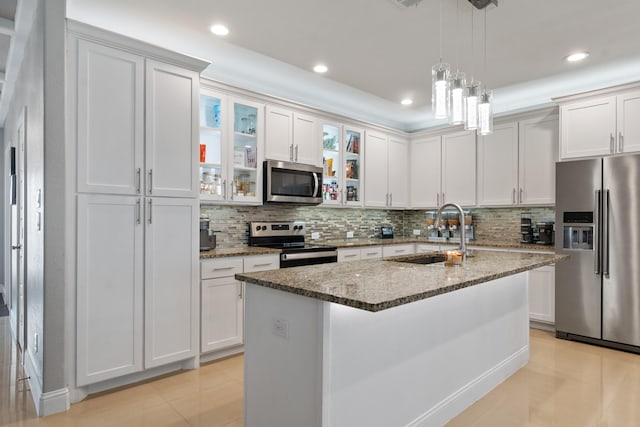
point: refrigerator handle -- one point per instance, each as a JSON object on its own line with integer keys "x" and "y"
{"x": 605, "y": 231}
{"x": 598, "y": 210}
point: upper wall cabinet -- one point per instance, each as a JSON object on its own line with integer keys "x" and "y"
{"x": 386, "y": 178}
{"x": 292, "y": 137}
{"x": 136, "y": 123}
{"x": 600, "y": 125}
{"x": 342, "y": 160}
{"x": 516, "y": 163}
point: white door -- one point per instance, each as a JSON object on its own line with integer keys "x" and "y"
{"x": 172, "y": 131}
{"x": 376, "y": 193}
{"x": 110, "y": 114}
{"x": 628, "y": 123}
{"x": 222, "y": 313}
{"x": 538, "y": 149}
{"x": 426, "y": 169}
{"x": 542, "y": 303}
{"x": 109, "y": 287}
{"x": 588, "y": 128}
{"x": 498, "y": 166}
{"x": 398, "y": 152}
{"x": 307, "y": 140}
{"x": 171, "y": 280}
{"x": 278, "y": 134}
{"x": 459, "y": 168}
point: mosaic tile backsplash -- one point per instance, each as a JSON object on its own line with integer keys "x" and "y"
{"x": 230, "y": 222}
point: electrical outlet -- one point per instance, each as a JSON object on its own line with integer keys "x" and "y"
{"x": 281, "y": 328}
{"x": 349, "y": 234}
{"x": 315, "y": 235}
{"x": 416, "y": 232}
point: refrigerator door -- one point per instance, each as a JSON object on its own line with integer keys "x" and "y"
{"x": 578, "y": 279}
{"x": 621, "y": 286}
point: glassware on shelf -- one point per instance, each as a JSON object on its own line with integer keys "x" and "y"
{"x": 252, "y": 124}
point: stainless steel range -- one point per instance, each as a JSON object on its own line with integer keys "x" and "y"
{"x": 289, "y": 237}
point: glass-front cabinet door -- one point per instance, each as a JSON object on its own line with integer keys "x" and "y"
{"x": 231, "y": 144}
{"x": 341, "y": 152}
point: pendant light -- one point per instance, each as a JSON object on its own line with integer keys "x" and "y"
{"x": 473, "y": 92}
{"x": 457, "y": 83}
{"x": 485, "y": 114}
{"x": 440, "y": 83}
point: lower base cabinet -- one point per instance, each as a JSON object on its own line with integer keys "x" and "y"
{"x": 542, "y": 303}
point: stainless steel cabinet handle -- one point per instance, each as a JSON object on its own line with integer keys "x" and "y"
{"x": 390, "y": 199}
{"x": 138, "y": 209}
{"x": 150, "y": 180}
{"x": 262, "y": 265}
{"x": 224, "y": 189}
{"x": 443, "y": 197}
{"x": 620, "y": 143}
{"x": 612, "y": 143}
{"x": 438, "y": 199}
{"x": 291, "y": 152}
{"x": 138, "y": 179}
{"x": 16, "y": 247}
{"x": 371, "y": 253}
{"x": 223, "y": 268}
{"x": 350, "y": 255}
{"x": 150, "y": 218}
{"x": 598, "y": 210}
{"x": 520, "y": 195}
{"x": 514, "y": 195}
{"x": 605, "y": 237}
{"x": 296, "y": 152}
{"x": 240, "y": 293}
{"x": 232, "y": 189}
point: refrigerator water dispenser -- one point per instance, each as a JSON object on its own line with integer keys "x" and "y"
{"x": 578, "y": 237}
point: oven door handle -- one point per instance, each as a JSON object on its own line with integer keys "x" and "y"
{"x": 308, "y": 255}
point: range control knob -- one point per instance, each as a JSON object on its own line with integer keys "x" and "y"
{"x": 257, "y": 228}
{"x": 264, "y": 227}
{"x": 300, "y": 227}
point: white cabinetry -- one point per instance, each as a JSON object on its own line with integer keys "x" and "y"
{"x": 222, "y": 302}
{"x": 516, "y": 164}
{"x": 134, "y": 123}
{"x": 292, "y": 137}
{"x": 395, "y": 250}
{"x": 542, "y": 303}
{"x": 386, "y": 179}
{"x": 231, "y": 149}
{"x": 370, "y": 252}
{"x": 422, "y": 248}
{"x": 600, "y": 125}
{"x": 341, "y": 156}
{"x": 443, "y": 169}
{"x": 349, "y": 254}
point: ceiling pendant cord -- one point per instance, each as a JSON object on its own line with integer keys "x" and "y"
{"x": 457, "y": 83}
{"x": 485, "y": 114}
{"x": 473, "y": 88}
{"x": 440, "y": 83}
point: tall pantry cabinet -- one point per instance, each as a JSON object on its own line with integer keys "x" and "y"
{"x": 133, "y": 112}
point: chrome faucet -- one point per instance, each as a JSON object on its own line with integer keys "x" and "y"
{"x": 463, "y": 243}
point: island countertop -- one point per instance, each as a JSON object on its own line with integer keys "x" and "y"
{"x": 375, "y": 285}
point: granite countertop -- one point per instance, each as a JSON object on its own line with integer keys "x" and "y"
{"x": 239, "y": 251}
{"x": 354, "y": 243}
{"x": 375, "y": 285}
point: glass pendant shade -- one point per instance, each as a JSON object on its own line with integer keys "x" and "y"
{"x": 485, "y": 115}
{"x": 440, "y": 90}
{"x": 471, "y": 105}
{"x": 456, "y": 104}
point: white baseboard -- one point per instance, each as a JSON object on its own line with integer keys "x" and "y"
{"x": 458, "y": 401}
{"x": 210, "y": 357}
{"x": 47, "y": 403}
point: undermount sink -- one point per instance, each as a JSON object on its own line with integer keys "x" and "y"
{"x": 420, "y": 258}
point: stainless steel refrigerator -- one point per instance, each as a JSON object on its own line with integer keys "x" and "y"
{"x": 598, "y": 225}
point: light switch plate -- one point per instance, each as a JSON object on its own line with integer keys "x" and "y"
{"x": 416, "y": 232}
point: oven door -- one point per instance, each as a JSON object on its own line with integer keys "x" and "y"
{"x": 292, "y": 183}
{"x": 297, "y": 259}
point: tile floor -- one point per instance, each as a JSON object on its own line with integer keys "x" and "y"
{"x": 565, "y": 384}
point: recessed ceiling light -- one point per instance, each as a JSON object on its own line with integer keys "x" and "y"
{"x": 578, "y": 56}
{"x": 320, "y": 68}
{"x": 406, "y": 101}
{"x": 219, "y": 30}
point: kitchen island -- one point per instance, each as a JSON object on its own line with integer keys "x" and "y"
{"x": 383, "y": 342}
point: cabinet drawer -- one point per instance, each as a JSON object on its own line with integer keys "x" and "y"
{"x": 395, "y": 250}
{"x": 424, "y": 248}
{"x": 345, "y": 255}
{"x": 371, "y": 253}
{"x": 223, "y": 267}
{"x": 261, "y": 263}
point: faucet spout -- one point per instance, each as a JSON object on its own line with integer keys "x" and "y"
{"x": 463, "y": 242}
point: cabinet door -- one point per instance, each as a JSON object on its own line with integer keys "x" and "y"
{"x": 246, "y": 146}
{"x": 213, "y": 148}
{"x": 222, "y": 314}
{"x": 171, "y": 280}
{"x": 307, "y": 140}
{"x": 537, "y": 165}
{"x": 398, "y": 154}
{"x": 333, "y": 161}
{"x": 588, "y": 128}
{"x": 354, "y": 172}
{"x": 498, "y": 166}
{"x": 426, "y": 171}
{"x": 542, "y": 303}
{"x": 459, "y": 168}
{"x": 279, "y": 134}
{"x": 110, "y": 114}
{"x": 629, "y": 122}
{"x": 172, "y": 131}
{"x": 375, "y": 164}
{"x": 109, "y": 287}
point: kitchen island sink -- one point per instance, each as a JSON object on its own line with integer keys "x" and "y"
{"x": 420, "y": 258}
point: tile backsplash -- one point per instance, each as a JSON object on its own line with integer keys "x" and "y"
{"x": 496, "y": 224}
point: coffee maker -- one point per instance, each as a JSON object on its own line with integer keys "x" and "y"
{"x": 545, "y": 232}
{"x": 207, "y": 238}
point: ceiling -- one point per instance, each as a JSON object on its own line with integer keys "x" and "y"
{"x": 378, "y": 52}
{"x": 7, "y": 27}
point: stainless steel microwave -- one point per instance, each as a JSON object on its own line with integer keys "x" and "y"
{"x": 292, "y": 183}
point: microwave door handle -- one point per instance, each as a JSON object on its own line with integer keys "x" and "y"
{"x": 315, "y": 184}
